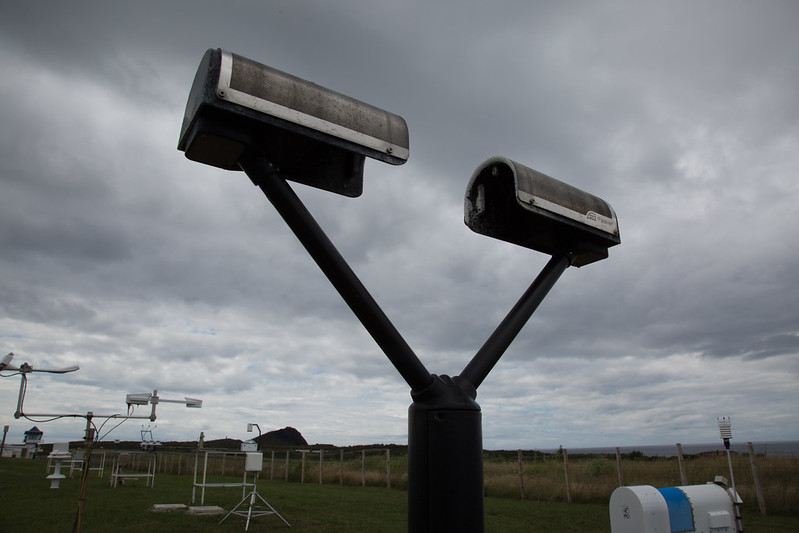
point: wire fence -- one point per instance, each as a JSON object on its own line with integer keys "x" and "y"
{"x": 764, "y": 482}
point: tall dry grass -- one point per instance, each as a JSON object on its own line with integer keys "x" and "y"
{"x": 592, "y": 478}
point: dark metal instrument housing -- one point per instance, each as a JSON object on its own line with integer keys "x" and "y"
{"x": 313, "y": 135}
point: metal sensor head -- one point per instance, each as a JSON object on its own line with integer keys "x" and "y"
{"x": 725, "y": 427}
{"x": 193, "y": 403}
{"x": 312, "y": 134}
{"x": 5, "y": 363}
{"x": 517, "y": 204}
{"x": 138, "y": 399}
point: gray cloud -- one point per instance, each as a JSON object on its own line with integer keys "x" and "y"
{"x": 151, "y": 271}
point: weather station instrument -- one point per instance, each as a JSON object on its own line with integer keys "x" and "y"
{"x": 92, "y": 433}
{"x": 249, "y": 506}
{"x": 712, "y": 507}
{"x": 243, "y": 115}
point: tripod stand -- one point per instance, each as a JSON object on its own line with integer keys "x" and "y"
{"x": 250, "y": 509}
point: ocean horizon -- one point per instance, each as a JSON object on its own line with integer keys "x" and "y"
{"x": 787, "y": 447}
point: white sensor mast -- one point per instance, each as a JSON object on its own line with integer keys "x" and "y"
{"x": 25, "y": 368}
{"x": 725, "y": 429}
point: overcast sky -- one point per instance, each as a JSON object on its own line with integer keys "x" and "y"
{"x": 151, "y": 271}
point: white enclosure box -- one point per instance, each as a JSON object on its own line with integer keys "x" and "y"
{"x": 688, "y": 509}
{"x": 249, "y": 446}
{"x": 713, "y": 506}
{"x": 637, "y": 510}
{"x": 254, "y": 462}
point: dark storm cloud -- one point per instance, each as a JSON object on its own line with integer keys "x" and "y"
{"x": 120, "y": 253}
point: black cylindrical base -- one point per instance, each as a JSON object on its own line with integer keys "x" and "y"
{"x": 445, "y": 460}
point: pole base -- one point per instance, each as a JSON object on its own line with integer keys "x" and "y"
{"x": 252, "y": 509}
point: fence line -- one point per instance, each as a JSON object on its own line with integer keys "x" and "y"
{"x": 583, "y": 477}
{"x": 568, "y": 484}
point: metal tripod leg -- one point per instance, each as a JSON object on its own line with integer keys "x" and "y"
{"x": 252, "y": 511}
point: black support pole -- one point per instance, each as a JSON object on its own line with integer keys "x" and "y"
{"x": 445, "y": 459}
{"x": 499, "y": 341}
{"x": 313, "y": 238}
{"x": 445, "y": 441}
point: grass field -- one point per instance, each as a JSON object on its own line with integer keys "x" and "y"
{"x": 30, "y": 506}
{"x": 592, "y": 477}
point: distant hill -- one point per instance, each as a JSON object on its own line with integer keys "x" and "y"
{"x": 286, "y": 437}
{"x": 282, "y": 437}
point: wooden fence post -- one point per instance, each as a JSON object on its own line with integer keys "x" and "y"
{"x": 388, "y": 468}
{"x": 618, "y": 466}
{"x": 287, "y": 465}
{"x": 341, "y": 466}
{"x": 272, "y": 466}
{"x": 521, "y": 477}
{"x": 681, "y": 462}
{"x": 758, "y": 491}
{"x": 363, "y": 468}
{"x": 321, "y": 464}
{"x": 566, "y": 472}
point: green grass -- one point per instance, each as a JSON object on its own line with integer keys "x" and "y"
{"x": 593, "y": 478}
{"x": 29, "y": 505}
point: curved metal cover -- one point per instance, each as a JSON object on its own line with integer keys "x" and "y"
{"x": 256, "y": 86}
{"x": 514, "y": 203}
{"x": 681, "y": 516}
{"x": 312, "y": 135}
{"x": 537, "y": 190}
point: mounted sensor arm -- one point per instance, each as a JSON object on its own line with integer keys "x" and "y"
{"x": 315, "y": 136}
{"x": 517, "y": 204}
{"x": 341, "y": 276}
{"x": 514, "y": 203}
{"x": 25, "y": 368}
{"x": 243, "y": 115}
{"x": 499, "y": 341}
